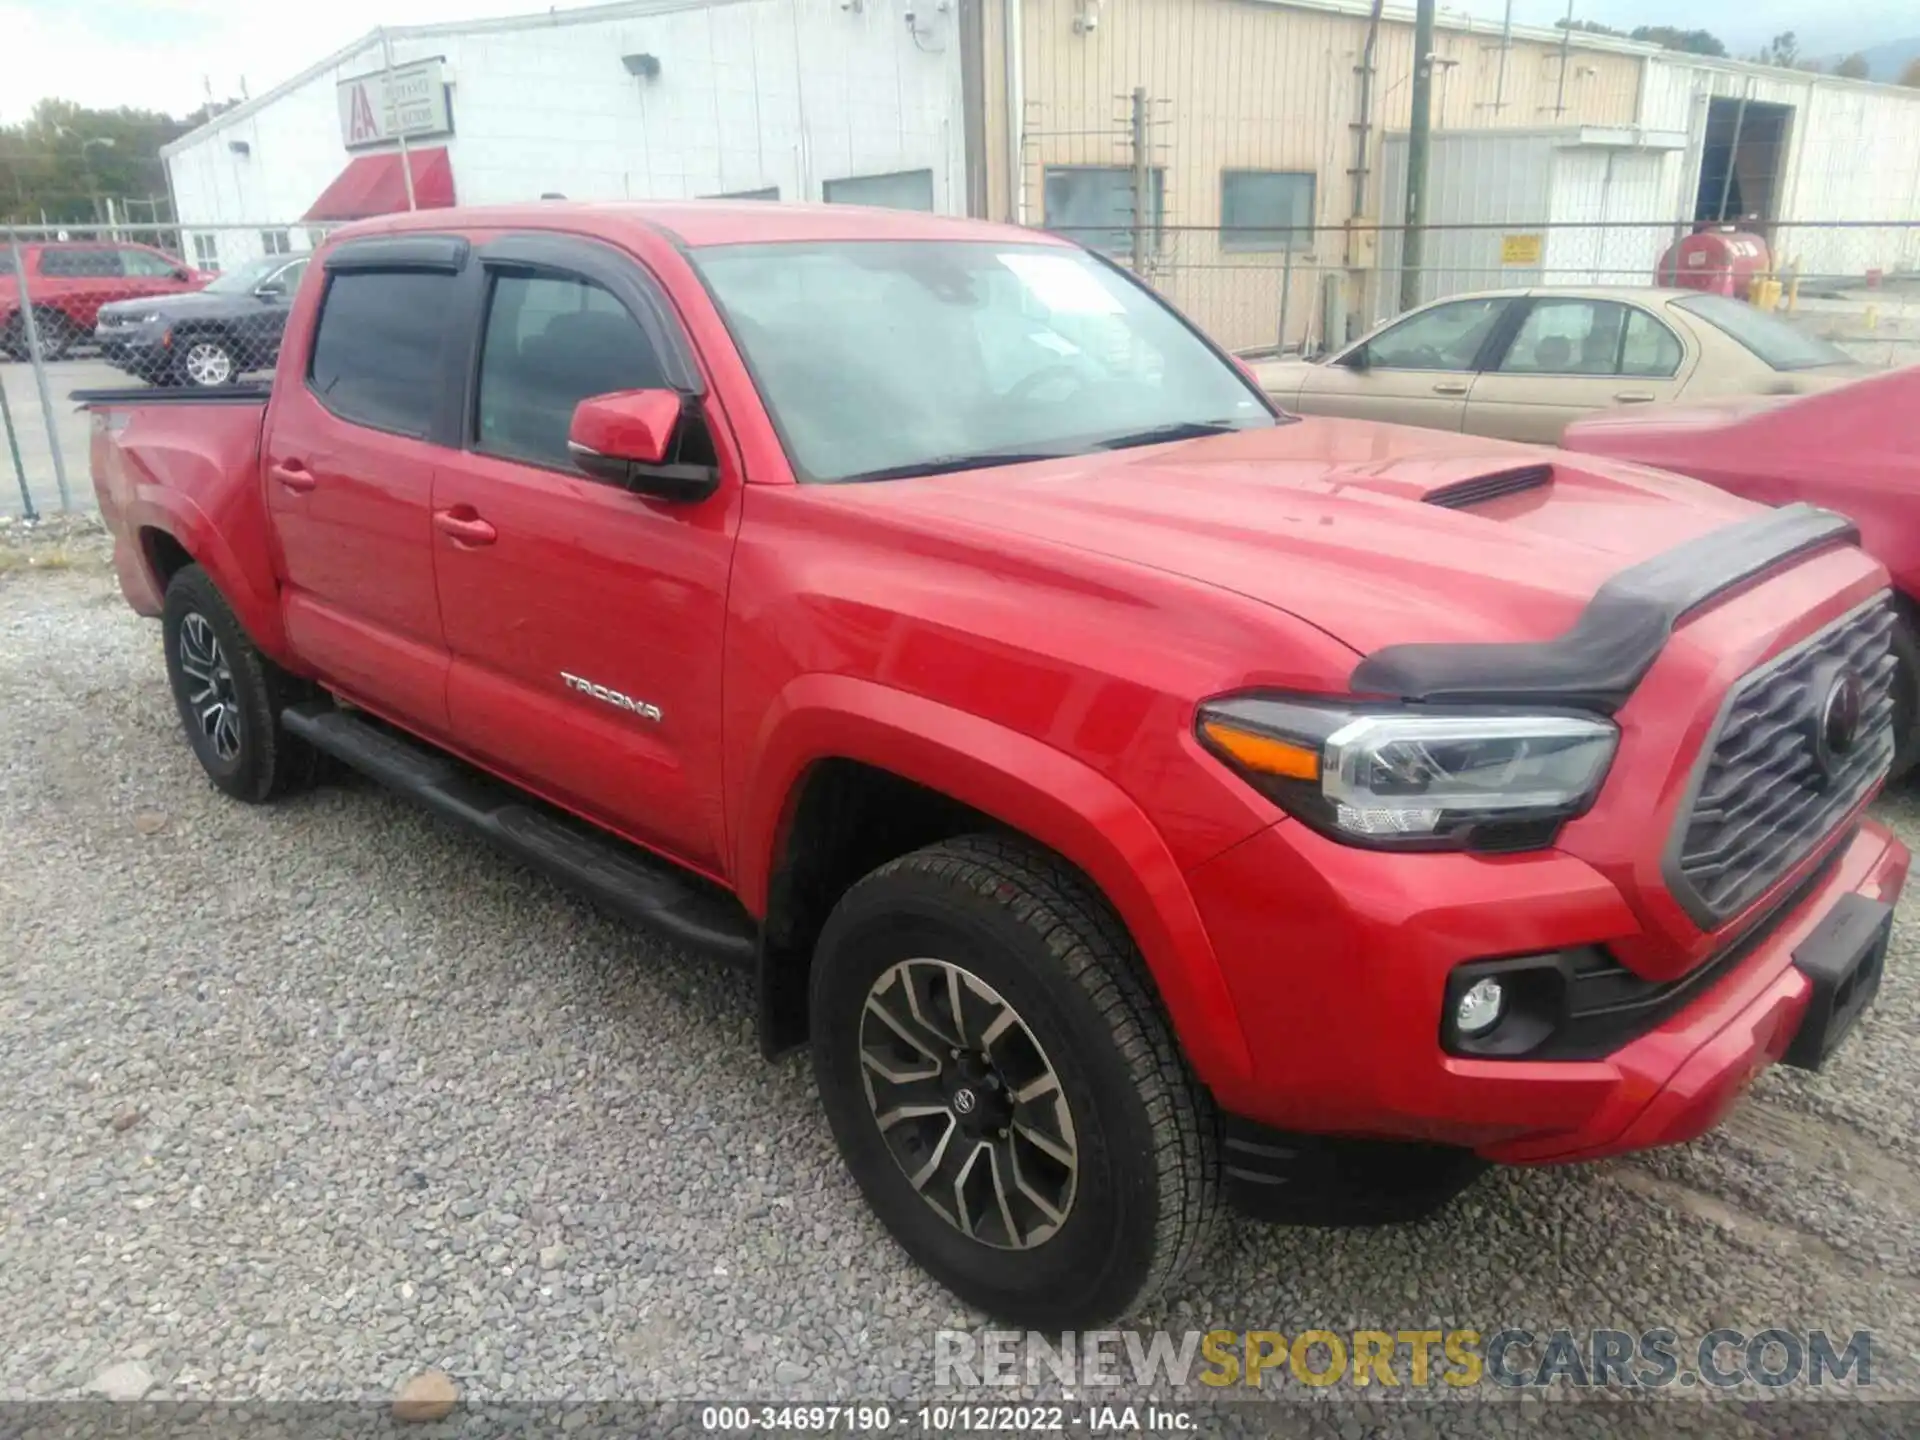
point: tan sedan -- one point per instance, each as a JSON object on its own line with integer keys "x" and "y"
{"x": 1520, "y": 364}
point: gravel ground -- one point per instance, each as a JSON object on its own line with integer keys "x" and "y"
{"x": 296, "y": 1102}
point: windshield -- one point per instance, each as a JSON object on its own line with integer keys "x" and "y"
{"x": 246, "y": 277}
{"x": 1777, "y": 343}
{"x": 886, "y": 358}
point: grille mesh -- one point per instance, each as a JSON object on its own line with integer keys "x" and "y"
{"x": 1763, "y": 800}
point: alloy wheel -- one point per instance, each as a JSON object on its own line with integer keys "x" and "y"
{"x": 207, "y": 363}
{"x": 968, "y": 1103}
{"x": 215, "y": 703}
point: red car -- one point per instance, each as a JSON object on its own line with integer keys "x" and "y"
{"x": 69, "y": 280}
{"x": 1855, "y": 449}
{"x": 1136, "y": 797}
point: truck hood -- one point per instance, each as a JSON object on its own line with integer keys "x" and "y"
{"x": 1361, "y": 530}
{"x": 188, "y": 305}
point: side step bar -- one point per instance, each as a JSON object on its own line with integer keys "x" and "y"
{"x": 682, "y": 906}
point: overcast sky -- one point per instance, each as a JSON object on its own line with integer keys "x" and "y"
{"x": 163, "y": 54}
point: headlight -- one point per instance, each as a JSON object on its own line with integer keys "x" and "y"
{"x": 149, "y": 319}
{"x": 1410, "y": 778}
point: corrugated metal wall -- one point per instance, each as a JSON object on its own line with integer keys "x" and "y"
{"x": 1853, "y": 155}
{"x": 1245, "y": 84}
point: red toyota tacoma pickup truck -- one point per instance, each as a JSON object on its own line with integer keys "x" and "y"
{"x": 1137, "y": 798}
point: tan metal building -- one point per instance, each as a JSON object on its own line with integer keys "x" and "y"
{"x": 1263, "y": 115}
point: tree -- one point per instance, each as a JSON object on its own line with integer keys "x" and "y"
{"x": 1783, "y": 50}
{"x": 59, "y": 161}
{"x": 1667, "y": 37}
{"x": 1693, "y": 42}
{"x": 1910, "y": 76}
{"x": 1854, "y": 67}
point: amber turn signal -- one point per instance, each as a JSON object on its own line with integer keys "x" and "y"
{"x": 1263, "y": 754}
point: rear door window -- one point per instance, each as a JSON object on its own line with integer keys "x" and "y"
{"x": 377, "y": 347}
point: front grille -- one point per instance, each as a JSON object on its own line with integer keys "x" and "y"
{"x": 1768, "y": 791}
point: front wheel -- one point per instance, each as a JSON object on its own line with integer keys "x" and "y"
{"x": 230, "y": 695}
{"x": 1906, "y": 696}
{"x": 1003, "y": 1086}
{"x": 206, "y": 361}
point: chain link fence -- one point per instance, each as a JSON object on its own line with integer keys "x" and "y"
{"x": 205, "y": 306}
{"x": 94, "y": 307}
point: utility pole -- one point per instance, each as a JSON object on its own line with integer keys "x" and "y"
{"x": 1418, "y": 129}
{"x": 391, "y": 106}
{"x": 1566, "y": 46}
{"x": 1142, "y": 183}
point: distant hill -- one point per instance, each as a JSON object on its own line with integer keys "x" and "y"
{"x": 1886, "y": 60}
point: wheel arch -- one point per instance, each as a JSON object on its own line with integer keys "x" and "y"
{"x": 173, "y": 532}
{"x": 974, "y": 774}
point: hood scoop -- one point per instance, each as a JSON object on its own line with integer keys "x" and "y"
{"x": 1465, "y": 494}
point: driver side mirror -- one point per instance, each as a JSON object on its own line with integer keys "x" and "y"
{"x": 180, "y": 272}
{"x": 640, "y": 440}
{"x": 1358, "y": 360}
{"x": 272, "y": 290}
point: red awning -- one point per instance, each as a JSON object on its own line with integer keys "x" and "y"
{"x": 374, "y": 185}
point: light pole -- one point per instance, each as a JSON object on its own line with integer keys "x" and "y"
{"x": 86, "y": 165}
{"x": 93, "y": 184}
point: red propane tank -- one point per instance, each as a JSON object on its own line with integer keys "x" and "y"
{"x": 1719, "y": 260}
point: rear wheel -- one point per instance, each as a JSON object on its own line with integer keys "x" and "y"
{"x": 1004, "y": 1088}
{"x": 57, "y": 335}
{"x": 230, "y": 695}
{"x": 206, "y": 360}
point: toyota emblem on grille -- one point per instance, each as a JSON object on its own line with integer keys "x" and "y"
{"x": 1842, "y": 703}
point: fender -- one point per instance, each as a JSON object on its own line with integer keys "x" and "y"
{"x": 1028, "y": 785}
{"x": 248, "y": 588}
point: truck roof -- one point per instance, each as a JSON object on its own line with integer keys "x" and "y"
{"x": 708, "y": 222}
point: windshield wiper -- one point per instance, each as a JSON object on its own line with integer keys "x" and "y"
{"x": 947, "y": 464}
{"x": 1163, "y": 434}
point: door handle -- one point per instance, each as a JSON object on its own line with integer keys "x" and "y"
{"x": 294, "y": 476}
{"x": 1449, "y": 387}
{"x": 1633, "y": 397}
{"x": 464, "y": 527}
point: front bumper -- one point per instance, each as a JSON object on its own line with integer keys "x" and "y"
{"x": 141, "y": 350}
{"x": 1347, "y": 1041}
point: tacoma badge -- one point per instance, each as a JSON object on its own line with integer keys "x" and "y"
{"x": 612, "y": 697}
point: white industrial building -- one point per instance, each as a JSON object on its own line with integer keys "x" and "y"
{"x": 781, "y": 99}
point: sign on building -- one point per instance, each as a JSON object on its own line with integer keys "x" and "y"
{"x": 412, "y": 102}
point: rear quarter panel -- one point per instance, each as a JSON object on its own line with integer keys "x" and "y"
{"x": 189, "y": 471}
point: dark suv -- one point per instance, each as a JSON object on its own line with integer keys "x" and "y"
{"x": 69, "y": 280}
{"x": 210, "y": 337}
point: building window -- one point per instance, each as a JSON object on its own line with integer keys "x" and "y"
{"x": 1266, "y": 210}
{"x": 276, "y": 242}
{"x": 901, "y": 190}
{"x": 206, "y": 252}
{"x": 1094, "y": 205}
{"x": 770, "y": 192}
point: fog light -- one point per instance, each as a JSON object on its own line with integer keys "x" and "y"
{"x": 1479, "y": 1009}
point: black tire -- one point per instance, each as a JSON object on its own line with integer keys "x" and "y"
{"x": 1906, "y": 696}
{"x": 205, "y": 355}
{"x": 1147, "y": 1182}
{"x": 56, "y": 334}
{"x": 262, "y": 762}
